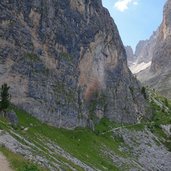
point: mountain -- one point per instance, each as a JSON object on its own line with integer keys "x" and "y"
{"x": 162, "y": 52}
{"x": 66, "y": 64}
{"x": 153, "y": 65}
{"x": 142, "y": 57}
{"x": 144, "y": 49}
{"x": 158, "y": 75}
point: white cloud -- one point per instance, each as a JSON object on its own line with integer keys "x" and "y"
{"x": 122, "y": 5}
{"x": 135, "y": 3}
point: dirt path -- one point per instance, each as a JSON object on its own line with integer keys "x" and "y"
{"x": 120, "y": 127}
{"x": 4, "y": 164}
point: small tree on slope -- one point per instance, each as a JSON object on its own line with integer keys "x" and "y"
{"x": 5, "y": 97}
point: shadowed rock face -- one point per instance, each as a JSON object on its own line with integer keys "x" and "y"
{"x": 130, "y": 55}
{"x": 65, "y": 62}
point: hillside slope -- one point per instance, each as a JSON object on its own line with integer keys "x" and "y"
{"x": 111, "y": 146}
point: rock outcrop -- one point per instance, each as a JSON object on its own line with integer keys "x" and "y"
{"x": 158, "y": 75}
{"x": 162, "y": 52}
{"x": 130, "y": 55}
{"x": 145, "y": 48}
{"x": 65, "y": 62}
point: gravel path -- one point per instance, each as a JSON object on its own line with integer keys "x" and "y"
{"x": 4, "y": 164}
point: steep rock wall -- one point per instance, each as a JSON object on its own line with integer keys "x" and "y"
{"x": 158, "y": 75}
{"x": 65, "y": 62}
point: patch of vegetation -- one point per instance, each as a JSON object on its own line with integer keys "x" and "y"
{"x": 97, "y": 102}
{"x": 19, "y": 163}
{"x": 4, "y": 97}
{"x": 81, "y": 143}
{"x": 62, "y": 92}
{"x": 164, "y": 139}
{"x": 143, "y": 92}
{"x": 132, "y": 91}
{"x": 32, "y": 57}
{"x": 105, "y": 125}
{"x": 161, "y": 113}
{"x": 161, "y": 110}
{"x": 67, "y": 57}
{"x": 136, "y": 127}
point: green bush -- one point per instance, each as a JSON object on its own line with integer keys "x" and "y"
{"x": 28, "y": 167}
{"x": 5, "y": 97}
{"x": 143, "y": 91}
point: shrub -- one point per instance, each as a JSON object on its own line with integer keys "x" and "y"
{"x": 5, "y": 97}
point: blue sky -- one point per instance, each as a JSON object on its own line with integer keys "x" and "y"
{"x": 135, "y": 19}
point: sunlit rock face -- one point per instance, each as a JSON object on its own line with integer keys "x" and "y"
{"x": 157, "y": 52}
{"x": 141, "y": 59}
{"x": 162, "y": 52}
{"x": 161, "y": 61}
{"x": 145, "y": 48}
{"x": 65, "y": 62}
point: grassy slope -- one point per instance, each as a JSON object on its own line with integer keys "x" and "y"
{"x": 18, "y": 163}
{"x": 85, "y": 144}
{"x": 161, "y": 108}
{"x": 81, "y": 143}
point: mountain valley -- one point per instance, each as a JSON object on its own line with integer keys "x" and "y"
{"x": 73, "y": 98}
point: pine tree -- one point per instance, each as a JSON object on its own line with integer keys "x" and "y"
{"x": 5, "y": 97}
{"x": 143, "y": 91}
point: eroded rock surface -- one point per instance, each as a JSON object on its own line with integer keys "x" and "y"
{"x": 146, "y": 152}
{"x": 65, "y": 62}
{"x": 131, "y": 58}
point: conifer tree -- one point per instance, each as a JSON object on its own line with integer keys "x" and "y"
{"x": 5, "y": 97}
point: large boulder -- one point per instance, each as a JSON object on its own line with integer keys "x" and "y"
{"x": 12, "y": 117}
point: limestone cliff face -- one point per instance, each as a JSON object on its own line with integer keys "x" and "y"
{"x": 65, "y": 62}
{"x": 143, "y": 51}
{"x": 158, "y": 75}
{"x": 130, "y": 55}
{"x": 145, "y": 48}
{"x": 162, "y": 52}
{"x": 161, "y": 61}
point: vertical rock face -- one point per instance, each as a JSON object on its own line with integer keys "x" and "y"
{"x": 145, "y": 48}
{"x": 65, "y": 62}
{"x": 143, "y": 52}
{"x": 162, "y": 52}
{"x": 130, "y": 55}
{"x": 141, "y": 59}
{"x": 158, "y": 75}
{"x": 161, "y": 61}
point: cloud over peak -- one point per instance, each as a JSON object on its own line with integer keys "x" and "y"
{"x": 122, "y": 5}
